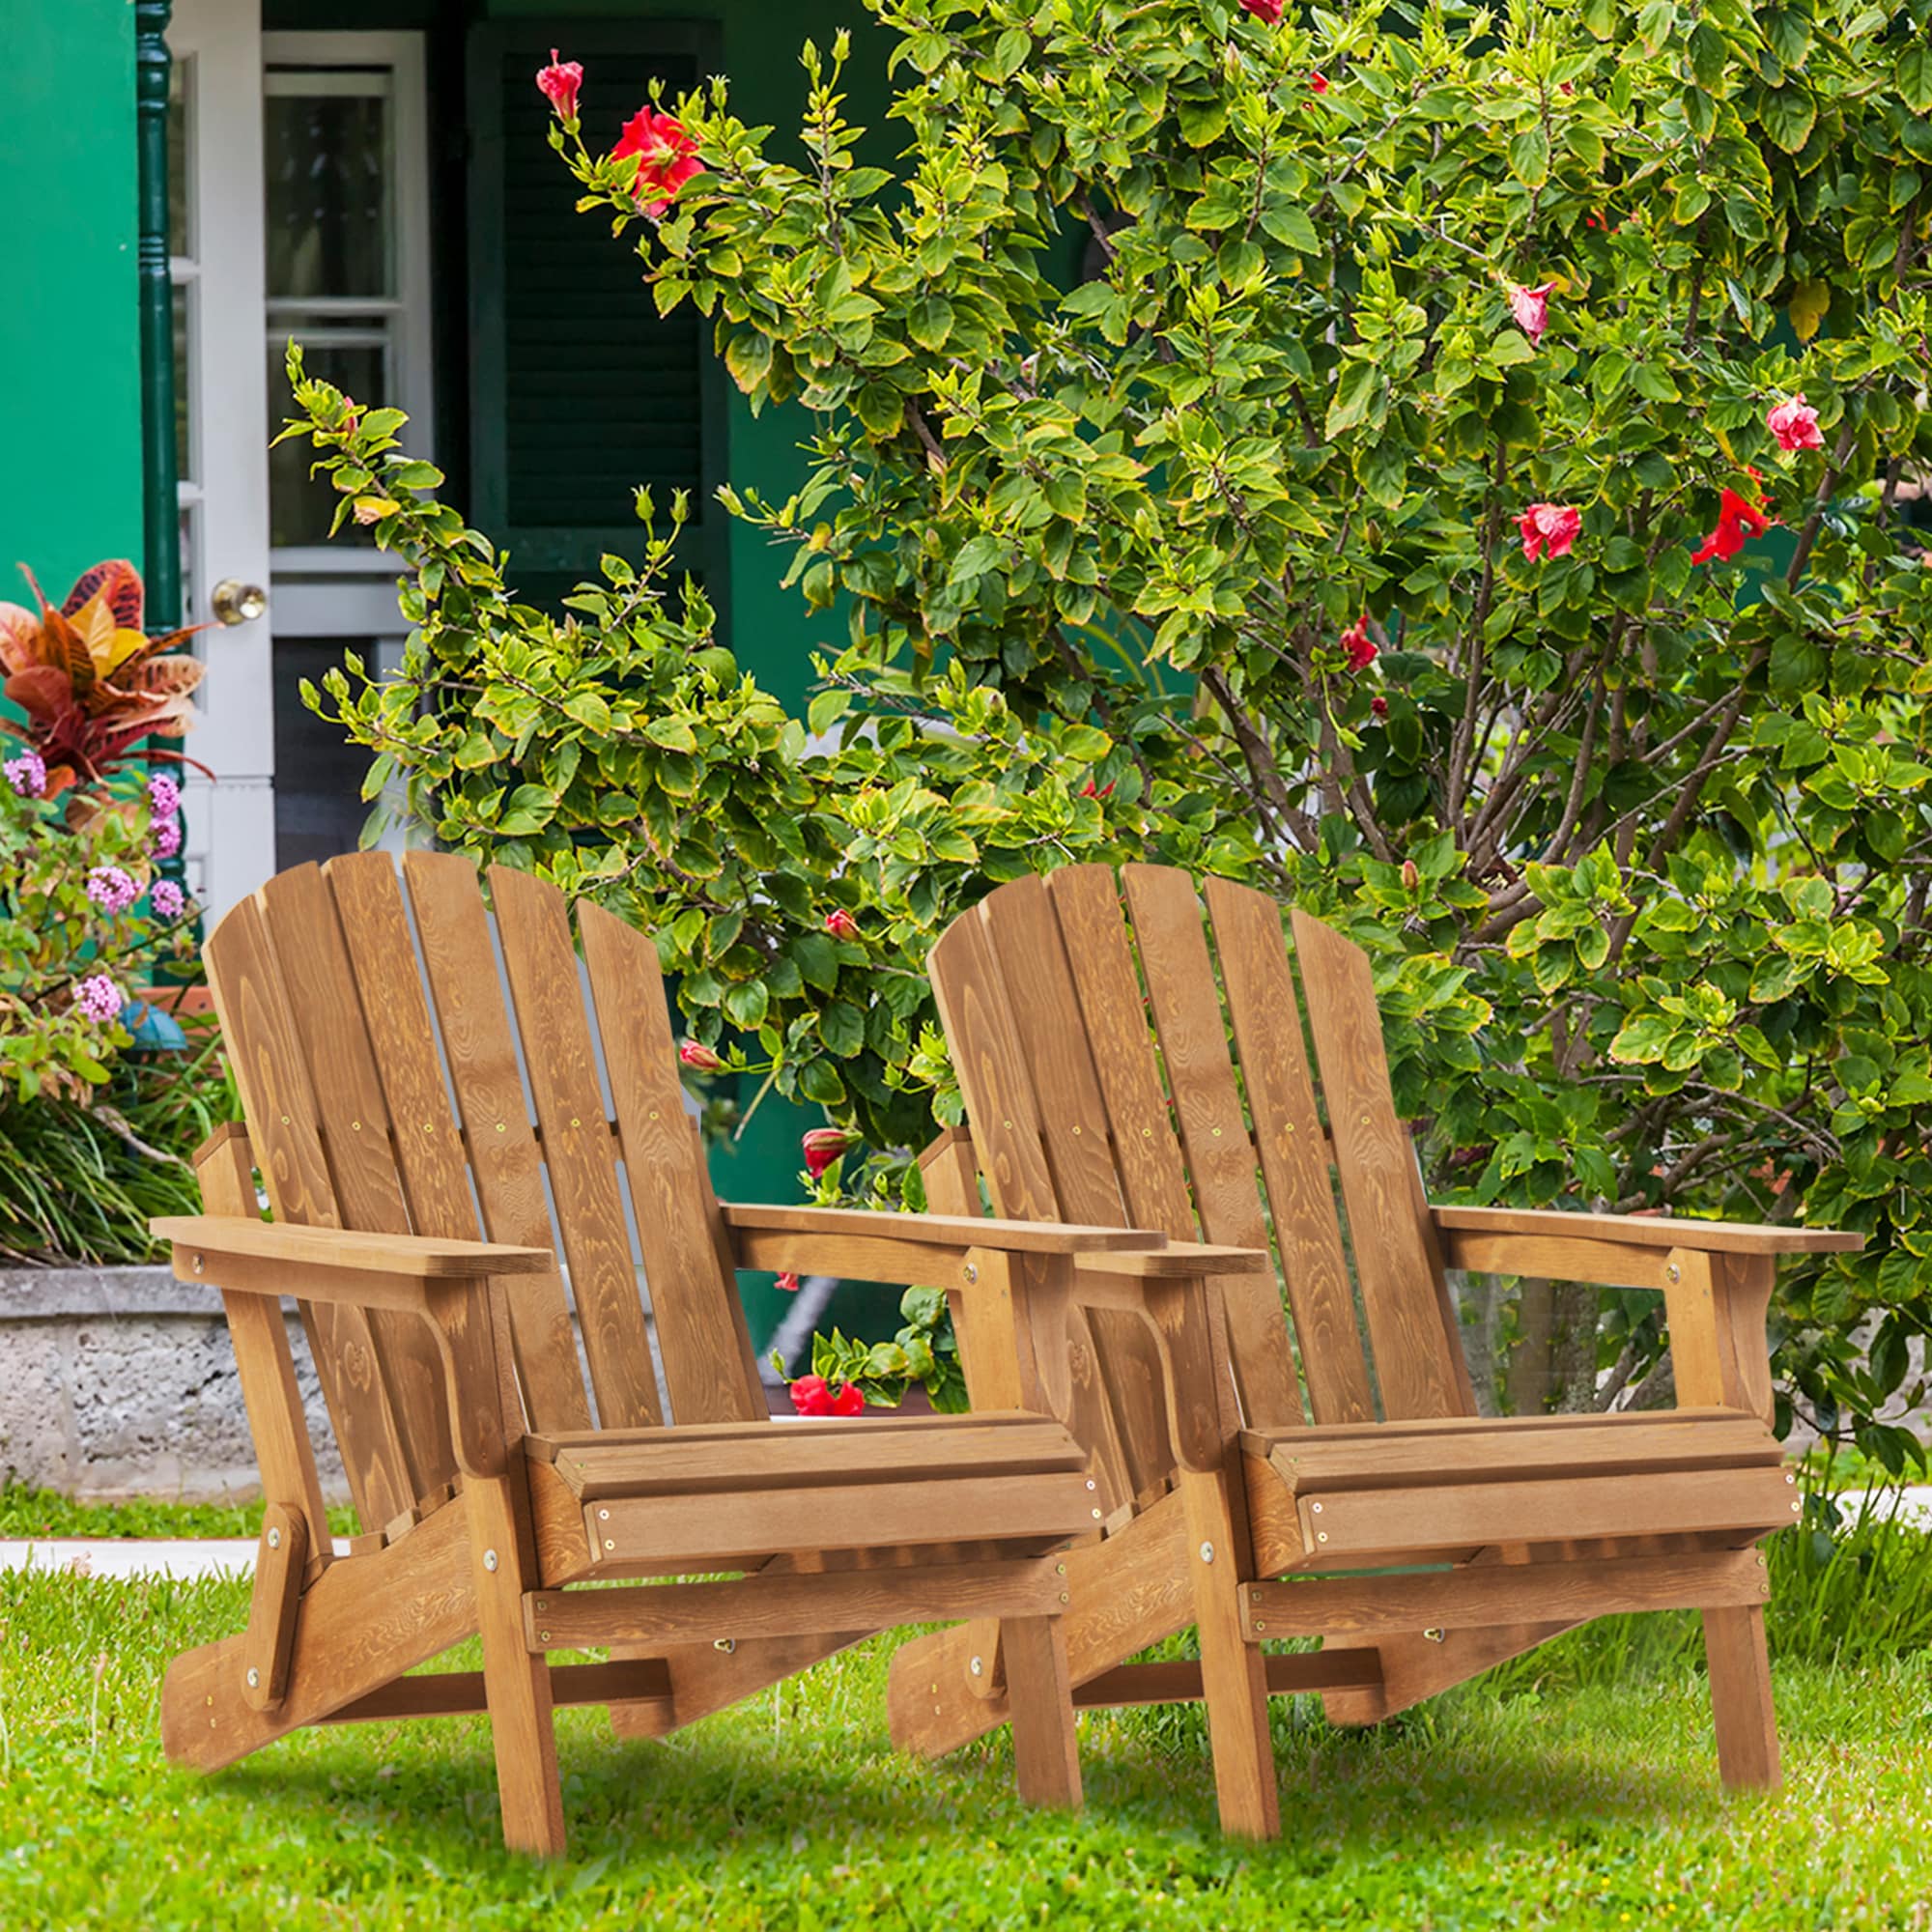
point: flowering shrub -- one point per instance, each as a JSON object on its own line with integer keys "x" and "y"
{"x": 1584, "y": 349}
{"x": 76, "y": 937}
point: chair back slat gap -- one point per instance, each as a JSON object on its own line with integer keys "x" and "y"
{"x": 706, "y": 1348}
{"x": 1292, "y": 1149}
{"x": 359, "y": 1147}
{"x": 1377, "y": 1166}
{"x": 559, "y": 1056}
{"x": 1116, "y": 1369}
{"x": 505, "y": 1162}
{"x": 265, "y": 1053}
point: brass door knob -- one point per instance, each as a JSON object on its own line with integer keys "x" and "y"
{"x": 238, "y": 602}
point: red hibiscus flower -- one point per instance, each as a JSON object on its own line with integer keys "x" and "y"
{"x": 1090, "y": 790}
{"x": 823, "y": 1145}
{"x": 1737, "y": 521}
{"x": 1531, "y": 309}
{"x": 1359, "y": 645}
{"x": 558, "y": 83}
{"x": 1266, "y": 11}
{"x": 693, "y": 1052}
{"x": 1795, "y": 424}
{"x": 787, "y": 1283}
{"x": 842, "y": 925}
{"x": 668, "y": 159}
{"x": 812, "y": 1395}
{"x": 1550, "y": 529}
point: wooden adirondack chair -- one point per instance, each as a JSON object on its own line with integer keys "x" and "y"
{"x": 1319, "y": 1443}
{"x": 387, "y": 1143}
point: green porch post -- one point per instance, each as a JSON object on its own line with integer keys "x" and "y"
{"x": 161, "y": 517}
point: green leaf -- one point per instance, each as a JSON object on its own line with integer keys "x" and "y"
{"x": 1203, "y": 121}
{"x": 929, "y": 320}
{"x": 1529, "y": 156}
{"x": 1788, "y": 117}
{"x": 1354, "y": 396}
{"x": 749, "y": 358}
{"x": 1914, "y": 75}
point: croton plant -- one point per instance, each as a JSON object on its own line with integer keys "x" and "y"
{"x": 1447, "y": 466}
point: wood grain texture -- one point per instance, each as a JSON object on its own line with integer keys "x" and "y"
{"x": 294, "y": 1245}
{"x": 560, "y": 1062}
{"x": 277, "y": 1424}
{"x": 1651, "y": 1230}
{"x": 367, "y": 1620}
{"x": 702, "y": 1530}
{"x": 1294, "y": 1153}
{"x": 504, "y": 1158}
{"x": 1222, "y": 1163}
{"x": 688, "y": 1264}
{"x": 1046, "y": 1751}
{"x": 1182, "y": 1682}
{"x": 1373, "y": 1157}
{"x": 1493, "y": 1594}
{"x": 695, "y": 1459}
{"x": 1741, "y": 1703}
{"x": 281, "y": 1558}
{"x": 1441, "y": 1516}
{"x": 266, "y": 1056}
{"x": 789, "y": 1605}
{"x": 353, "y": 1115}
{"x": 958, "y": 1231}
{"x": 454, "y": 1693}
{"x": 1614, "y": 1445}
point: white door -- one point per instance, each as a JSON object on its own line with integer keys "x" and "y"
{"x": 302, "y": 212}
{"x": 222, "y": 408}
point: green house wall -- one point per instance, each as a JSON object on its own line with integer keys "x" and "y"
{"x": 69, "y": 333}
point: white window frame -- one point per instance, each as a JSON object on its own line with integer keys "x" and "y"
{"x": 402, "y": 55}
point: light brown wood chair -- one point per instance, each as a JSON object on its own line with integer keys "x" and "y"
{"x": 1086, "y": 1019}
{"x": 388, "y": 1143}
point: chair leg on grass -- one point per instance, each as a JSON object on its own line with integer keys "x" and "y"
{"x": 1741, "y": 1704}
{"x": 1233, "y": 1678}
{"x": 1039, "y": 1689}
{"x": 516, "y": 1683}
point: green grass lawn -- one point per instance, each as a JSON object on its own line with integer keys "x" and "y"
{"x": 1578, "y": 1788}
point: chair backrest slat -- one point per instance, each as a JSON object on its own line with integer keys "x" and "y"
{"x": 356, "y": 1129}
{"x": 1116, "y": 1374}
{"x": 505, "y": 1160}
{"x": 264, "y": 1052}
{"x": 1266, "y": 1023}
{"x": 1376, "y": 1165}
{"x": 562, "y": 1062}
{"x": 1221, "y": 1159}
{"x": 706, "y": 1348}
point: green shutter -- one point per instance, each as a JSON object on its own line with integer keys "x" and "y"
{"x": 580, "y": 391}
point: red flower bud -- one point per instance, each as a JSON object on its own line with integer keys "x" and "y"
{"x": 693, "y": 1052}
{"x": 823, "y": 1145}
{"x": 787, "y": 1283}
{"x": 1410, "y": 877}
{"x": 1379, "y": 705}
{"x": 1318, "y": 81}
{"x": 842, "y": 925}
{"x": 558, "y": 83}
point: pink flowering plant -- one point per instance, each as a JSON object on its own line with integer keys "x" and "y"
{"x": 84, "y": 919}
{"x": 1456, "y": 479}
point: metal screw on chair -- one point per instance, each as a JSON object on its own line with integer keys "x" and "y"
{"x": 1098, "y": 1518}
{"x": 1259, "y": 1625}
{"x": 1315, "y": 1508}
{"x": 1434, "y": 1635}
{"x": 489, "y": 1559}
{"x": 603, "y": 1515}
{"x": 971, "y": 1271}
{"x": 728, "y": 1644}
{"x": 274, "y": 1539}
{"x": 197, "y": 1263}
{"x": 1321, "y": 1536}
{"x": 610, "y": 1543}
{"x": 1207, "y": 1552}
{"x": 1089, "y": 1482}
{"x": 977, "y": 1667}
{"x": 254, "y": 1678}
{"x": 543, "y": 1636}
{"x": 1674, "y": 1272}
{"x": 1060, "y": 1569}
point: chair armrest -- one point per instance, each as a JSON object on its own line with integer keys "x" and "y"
{"x": 1647, "y": 1231}
{"x": 332, "y": 1264}
{"x": 454, "y": 1286}
{"x": 935, "y": 1249}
